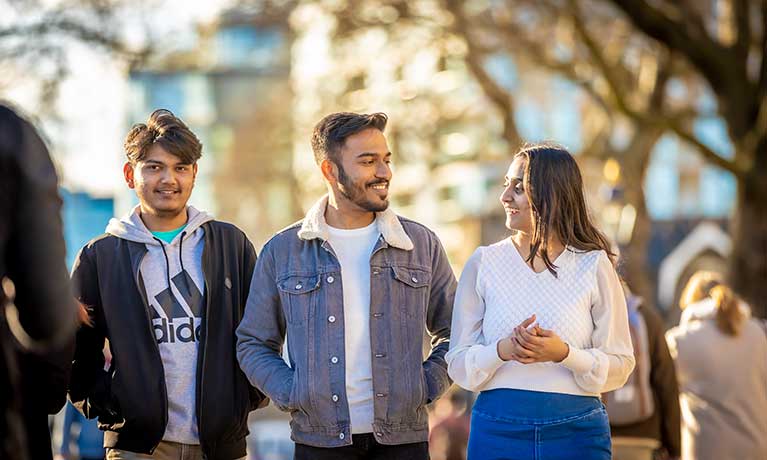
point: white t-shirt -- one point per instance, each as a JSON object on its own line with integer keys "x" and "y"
{"x": 353, "y": 248}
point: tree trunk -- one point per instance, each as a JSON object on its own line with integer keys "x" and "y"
{"x": 748, "y": 261}
{"x": 634, "y": 161}
{"x": 634, "y": 255}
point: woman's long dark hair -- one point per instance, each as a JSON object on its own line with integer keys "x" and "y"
{"x": 554, "y": 188}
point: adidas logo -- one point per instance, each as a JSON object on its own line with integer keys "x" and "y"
{"x": 177, "y": 325}
{"x": 170, "y": 332}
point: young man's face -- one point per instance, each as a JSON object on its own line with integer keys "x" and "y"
{"x": 163, "y": 182}
{"x": 364, "y": 171}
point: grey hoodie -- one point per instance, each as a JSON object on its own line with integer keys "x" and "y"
{"x": 175, "y": 290}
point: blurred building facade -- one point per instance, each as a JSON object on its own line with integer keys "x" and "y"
{"x": 84, "y": 217}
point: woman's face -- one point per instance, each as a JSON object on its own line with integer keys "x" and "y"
{"x": 519, "y": 214}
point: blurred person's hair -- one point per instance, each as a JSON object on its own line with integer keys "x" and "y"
{"x": 167, "y": 131}
{"x": 707, "y": 284}
{"x": 554, "y": 187}
{"x": 331, "y": 132}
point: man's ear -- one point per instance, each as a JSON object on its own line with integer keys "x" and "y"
{"x": 128, "y": 173}
{"x": 194, "y": 170}
{"x": 329, "y": 171}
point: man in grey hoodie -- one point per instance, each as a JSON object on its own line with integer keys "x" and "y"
{"x": 166, "y": 285}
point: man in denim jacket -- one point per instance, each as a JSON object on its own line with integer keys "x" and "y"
{"x": 353, "y": 285}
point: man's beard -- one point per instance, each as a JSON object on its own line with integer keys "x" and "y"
{"x": 356, "y": 193}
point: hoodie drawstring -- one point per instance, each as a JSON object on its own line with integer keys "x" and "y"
{"x": 167, "y": 262}
{"x": 180, "y": 252}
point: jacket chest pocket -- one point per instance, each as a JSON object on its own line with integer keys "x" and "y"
{"x": 412, "y": 291}
{"x": 298, "y": 294}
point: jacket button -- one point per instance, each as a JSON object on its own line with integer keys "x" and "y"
{"x": 335, "y": 398}
{"x": 414, "y": 279}
{"x": 331, "y": 319}
{"x": 380, "y": 395}
{"x": 334, "y": 359}
{"x": 377, "y": 315}
{"x": 379, "y": 434}
{"x": 331, "y": 279}
{"x": 380, "y": 355}
{"x": 375, "y": 272}
{"x": 299, "y": 286}
{"x": 341, "y": 436}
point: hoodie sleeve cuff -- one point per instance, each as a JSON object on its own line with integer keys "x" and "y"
{"x": 578, "y": 361}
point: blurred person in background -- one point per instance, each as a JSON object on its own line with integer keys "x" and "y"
{"x": 540, "y": 325}
{"x": 166, "y": 285}
{"x": 37, "y": 313}
{"x": 354, "y": 286}
{"x": 450, "y": 420}
{"x": 721, "y": 362}
{"x": 644, "y": 413}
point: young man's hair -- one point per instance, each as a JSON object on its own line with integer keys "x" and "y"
{"x": 167, "y": 131}
{"x": 331, "y": 132}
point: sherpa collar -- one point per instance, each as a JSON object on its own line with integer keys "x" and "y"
{"x": 314, "y": 226}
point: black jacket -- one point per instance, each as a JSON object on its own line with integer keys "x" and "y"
{"x": 130, "y": 399}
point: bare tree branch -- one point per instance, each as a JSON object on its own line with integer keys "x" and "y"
{"x": 762, "y": 82}
{"x": 705, "y": 151}
{"x": 662, "y": 75}
{"x": 710, "y": 57}
{"x": 742, "y": 44}
{"x": 65, "y": 26}
{"x": 539, "y": 54}
{"x": 475, "y": 60}
{"x": 598, "y": 58}
{"x": 690, "y": 9}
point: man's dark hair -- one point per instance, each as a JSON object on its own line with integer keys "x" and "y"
{"x": 331, "y": 132}
{"x": 166, "y": 130}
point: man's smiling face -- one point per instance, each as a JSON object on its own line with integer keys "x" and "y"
{"x": 163, "y": 182}
{"x": 364, "y": 170}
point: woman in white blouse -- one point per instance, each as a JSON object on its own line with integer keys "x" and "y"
{"x": 540, "y": 325}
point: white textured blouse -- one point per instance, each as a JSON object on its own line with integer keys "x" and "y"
{"x": 584, "y": 305}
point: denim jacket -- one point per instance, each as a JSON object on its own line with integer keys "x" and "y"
{"x": 293, "y": 292}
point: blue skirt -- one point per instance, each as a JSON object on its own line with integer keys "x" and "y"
{"x": 511, "y": 424}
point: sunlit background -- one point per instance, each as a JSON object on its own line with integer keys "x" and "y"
{"x": 464, "y": 84}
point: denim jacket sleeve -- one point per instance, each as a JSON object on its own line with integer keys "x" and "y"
{"x": 438, "y": 318}
{"x": 261, "y": 334}
{"x": 257, "y": 398}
